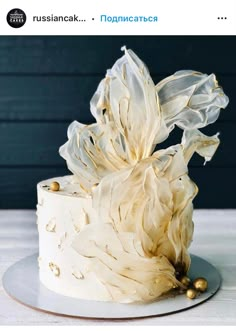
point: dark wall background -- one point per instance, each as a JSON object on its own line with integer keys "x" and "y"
{"x": 46, "y": 82}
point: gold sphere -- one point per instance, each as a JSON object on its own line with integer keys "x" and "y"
{"x": 185, "y": 280}
{"x": 191, "y": 293}
{"x": 200, "y": 284}
{"x": 54, "y": 186}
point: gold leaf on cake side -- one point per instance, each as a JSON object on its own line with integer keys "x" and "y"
{"x": 77, "y": 274}
{"x": 62, "y": 241}
{"x": 51, "y": 225}
{"x": 76, "y": 227}
{"x": 86, "y": 217}
{"x": 55, "y": 269}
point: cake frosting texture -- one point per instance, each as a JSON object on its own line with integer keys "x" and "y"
{"x": 120, "y": 227}
{"x": 61, "y": 216}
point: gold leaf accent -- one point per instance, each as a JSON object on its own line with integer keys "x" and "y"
{"x": 62, "y": 240}
{"x": 55, "y": 269}
{"x": 51, "y": 226}
{"x": 76, "y": 227}
{"x": 77, "y": 274}
{"x": 86, "y": 218}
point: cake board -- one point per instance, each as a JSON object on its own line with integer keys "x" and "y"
{"x": 21, "y": 282}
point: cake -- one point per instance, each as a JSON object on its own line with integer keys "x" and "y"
{"x": 119, "y": 227}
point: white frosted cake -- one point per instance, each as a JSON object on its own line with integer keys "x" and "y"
{"x": 119, "y": 228}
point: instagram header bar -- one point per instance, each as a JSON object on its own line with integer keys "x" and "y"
{"x": 123, "y": 17}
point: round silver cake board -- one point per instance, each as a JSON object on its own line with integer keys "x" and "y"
{"x": 21, "y": 282}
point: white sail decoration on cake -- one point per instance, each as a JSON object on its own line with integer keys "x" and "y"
{"x": 143, "y": 199}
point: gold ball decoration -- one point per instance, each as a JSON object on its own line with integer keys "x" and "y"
{"x": 185, "y": 280}
{"x": 54, "y": 186}
{"x": 191, "y": 293}
{"x": 200, "y": 284}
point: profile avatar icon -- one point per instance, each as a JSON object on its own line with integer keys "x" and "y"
{"x": 16, "y": 18}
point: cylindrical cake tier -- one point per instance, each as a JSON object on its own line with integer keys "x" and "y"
{"x": 61, "y": 215}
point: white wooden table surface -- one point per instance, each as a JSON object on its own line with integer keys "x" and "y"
{"x": 214, "y": 240}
